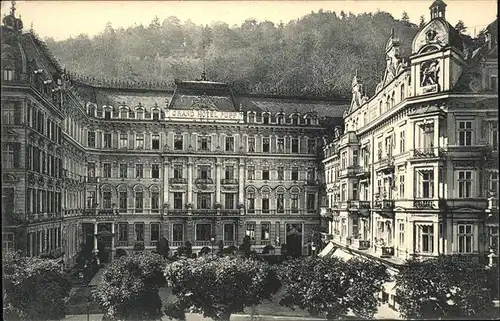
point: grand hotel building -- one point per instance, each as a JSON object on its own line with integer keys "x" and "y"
{"x": 118, "y": 166}
{"x": 414, "y": 174}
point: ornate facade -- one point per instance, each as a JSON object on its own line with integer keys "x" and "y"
{"x": 415, "y": 172}
{"x": 118, "y": 167}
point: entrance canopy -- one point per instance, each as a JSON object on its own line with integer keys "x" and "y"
{"x": 342, "y": 254}
{"x": 327, "y": 250}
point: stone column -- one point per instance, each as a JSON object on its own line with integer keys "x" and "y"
{"x": 217, "y": 180}
{"x": 190, "y": 181}
{"x": 241, "y": 182}
{"x": 95, "y": 239}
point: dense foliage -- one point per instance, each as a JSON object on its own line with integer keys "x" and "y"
{"x": 129, "y": 288}
{"x": 162, "y": 247}
{"x": 444, "y": 288}
{"x": 330, "y": 287}
{"x": 33, "y": 289}
{"x": 218, "y": 286}
{"x": 314, "y": 55}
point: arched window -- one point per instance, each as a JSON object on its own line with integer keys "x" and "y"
{"x": 393, "y": 99}
{"x": 108, "y": 112}
{"x": 251, "y": 117}
{"x": 91, "y": 110}
{"x": 307, "y": 119}
{"x": 265, "y": 192}
{"x": 295, "y": 119}
{"x": 106, "y": 197}
{"x": 380, "y": 111}
{"x": 99, "y": 111}
{"x": 294, "y": 199}
{"x": 140, "y": 113}
{"x": 402, "y": 92}
{"x": 123, "y": 112}
{"x": 156, "y": 114}
{"x": 280, "y": 200}
{"x": 281, "y": 119}
{"x": 265, "y": 118}
{"x": 139, "y": 198}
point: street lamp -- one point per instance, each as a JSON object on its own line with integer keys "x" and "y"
{"x": 313, "y": 248}
{"x": 212, "y": 240}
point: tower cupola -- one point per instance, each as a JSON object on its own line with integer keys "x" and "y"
{"x": 438, "y": 9}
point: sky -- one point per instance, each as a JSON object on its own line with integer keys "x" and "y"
{"x": 64, "y": 19}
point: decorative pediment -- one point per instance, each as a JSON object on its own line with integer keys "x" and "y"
{"x": 8, "y": 178}
{"x": 9, "y": 133}
{"x": 204, "y": 102}
{"x": 432, "y": 37}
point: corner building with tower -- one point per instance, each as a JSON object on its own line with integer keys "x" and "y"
{"x": 107, "y": 165}
{"x": 414, "y": 174}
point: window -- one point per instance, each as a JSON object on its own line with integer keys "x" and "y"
{"x": 402, "y": 140}
{"x": 155, "y": 171}
{"x": 311, "y": 146}
{"x": 493, "y": 238}
{"x": 465, "y": 133}
{"x": 177, "y": 171}
{"x": 139, "y": 232}
{"x": 155, "y": 202}
{"x": 91, "y": 170}
{"x": 402, "y": 92}
{"x": 8, "y": 74}
{"x": 426, "y": 238}
{"x": 465, "y": 234}
{"x": 155, "y": 232}
{"x": 203, "y": 232}
{"x": 388, "y": 146}
{"x": 204, "y": 172}
{"x": 204, "y": 143}
{"x": 251, "y": 173}
{"x": 107, "y": 140}
{"x": 123, "y": 201}
{"x": 251, "y": 144}
{"x": 106, "y": 170}
{"x": 250, "y": 231}
{"x": 265, "y": 174}
{"x": 280, "y": 202}
{"x": 281, "y": 119}
{"x": 311, "y": 174}
{"x": 265, "y": 119}
{"x": 204, "y": 200}
{"x": 401, "y": 234}
{"x": 8, "y": 156}
{"x": 281, "y": 145}
{"x": 295, "y": 145}
{"x": 8, "y": 242}
{"x": 122, "y": 232}
{"x": 229, "y": 174}
{"x": 107, "y": 113}
{"x": 265, "y": 200}
{"x": 178, "y": 144}
{"x": 294, "y": 202}
{"x": 123, "y": 170}
{"x": 229, "y": 144}
{"x": 401, "y": 186}
{"x": 425, "y": 181}
{"x": 139, "y": 141}
{"x": 91, "y": 139}
{"x": 264, "y": 231}
{"x": 281, "y": 173}
{"x": 311, "y": 199}
{"x": 229, "y": 232}
{"x": 265, "y": 145}
{"x": 123, "y": 141}
{"x": 493, "y": 188}
{"x": 139, "y": 171}
{"x": 379, "y": 151}
{"x": 464, "y": 184}
{"x": 139, "y": 205}
{"x": 155, "y": 141}
{"x": 295, "y": 173}
{"x": 494, "y": 82}
{"x": 343, "y": 160}
{"x": 355, "y": 159}
{"x": 251, "y": 117}
{"x": 493, "y": 141}
{"x": 250, "y": 201}
{"x": 229, "y": 201}
{"x": 177, "y": 201}
{"x": 177, "y": 232}
{"x": 355, "y": 193}
{"x": 140, "y": 113}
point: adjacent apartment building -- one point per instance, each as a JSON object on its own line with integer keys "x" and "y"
{"x": 414, "y": 173}
{"x": 110, "y": 165}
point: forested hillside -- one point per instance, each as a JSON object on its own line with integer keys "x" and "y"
{"x": 315, "y": 55}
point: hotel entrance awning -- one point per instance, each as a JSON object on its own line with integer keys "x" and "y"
{"x": 327, "y": 250}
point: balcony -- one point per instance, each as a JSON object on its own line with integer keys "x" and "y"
{"x": 204, "y": 211}
{"x": 363, "y": 172}
{"x": 426, "y": 204}
{"x": 92, "y": 180}
{"x": 202, "y": 243}
{"x": 384, "y": 208}
{"x": 350, "y": 171}
{"x": 203, "y": 181}
{"x": 359, "y": 244}
{"x": 177, "y": 243}
{"x": 384, "y": 251}
{"x": 229, "y": 243}
{"x": 121, "y": 243}
{"x": 386, "y": 165}
{"x": 472, "y": 203}
{"x": 265, "y": 242}
{"x": 178, "y": 180}
{"x": 229, "y": 181}
{"x": 286, "y": 212}
{"x": 429, "y": 153}
{"x": 349, "y": 138}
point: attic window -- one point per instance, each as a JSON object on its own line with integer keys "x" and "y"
{"x": 281, "y": 119}
{"x": 266, "y": 118}
{"x": 156, "y": 114}
{"x": 107, "y": 113}
{"x": 91, "y": 110}
{"x": 8, "y": 74}
{"x": 140, "y": 113}
{"x": 251, "y": 117}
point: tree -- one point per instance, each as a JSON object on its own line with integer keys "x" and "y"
{"x": 162, "y": 247}
{"x": 460, "y": 27}
{"x": 443, "y": 288}
{"x": 405, "y": 17}
{"x": 246, "y": 247}
{"x": 34, "y": 289}
{"x": 421, "y": 22}
{"x": 331, "y": 286}
{"x": 218, "y": 286}
{"x": 129, "y": 288}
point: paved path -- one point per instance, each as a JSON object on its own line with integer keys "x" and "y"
{"x": 96, "y": 280}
